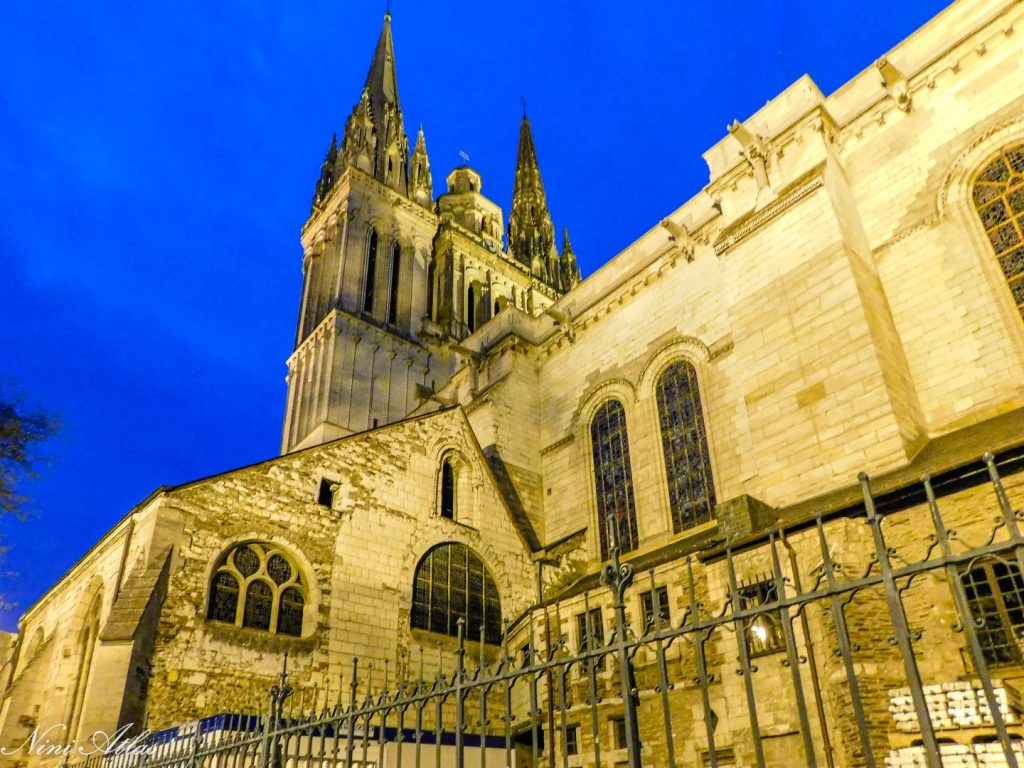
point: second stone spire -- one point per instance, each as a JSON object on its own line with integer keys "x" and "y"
{"x": 531, "y": 234}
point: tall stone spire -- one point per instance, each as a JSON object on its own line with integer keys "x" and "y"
{"x": 421, "y": 186}
{"x": 375, "y": 138}
{"x": 569, "y": 276}
{"x": 531, "y": 235}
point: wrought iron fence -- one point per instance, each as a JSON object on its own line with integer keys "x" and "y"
{"x": 871, "y": 637}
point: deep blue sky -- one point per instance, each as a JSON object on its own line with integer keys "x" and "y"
{"x": 157, "y": 161}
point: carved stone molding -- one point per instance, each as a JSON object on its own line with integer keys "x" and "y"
{"x": 732, "y": 237}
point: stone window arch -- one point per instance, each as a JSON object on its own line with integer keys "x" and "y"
{"x": 684, "y": 442}
{"x": 998, "y": 196}
{"x": 259, "y": 586}
{"x": 451, "y": 583}
{"x": 613, "y": 476}
{"x": 370, "y": 278}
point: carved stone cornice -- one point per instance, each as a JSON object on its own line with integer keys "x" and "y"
{"x": 557, "y": 444}
{"x": 740, "y": 231}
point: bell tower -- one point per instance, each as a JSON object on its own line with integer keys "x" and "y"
{"x": 366, "y": 247}
{"x": 394, "y": 281}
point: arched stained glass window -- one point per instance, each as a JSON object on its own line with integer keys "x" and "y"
{"x": 289, "y": 615}
{"x": 371, "y": 271}
{"x": 259, "y": 602}
{"x": 691, "y": 491}
{"x": 999, "y": 199}
{"x": 613, "y": 478}
{"x": 453, "y": 583}
{"x": 259, "y": 586}
{"x": 396, "y": 267}
{"x": 224, "y": 598}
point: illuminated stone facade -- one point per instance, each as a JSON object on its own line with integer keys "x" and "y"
{"x": 843, "y": 296}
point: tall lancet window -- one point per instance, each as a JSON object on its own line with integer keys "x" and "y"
{"x": 371, "y": 271}
{"x": 691, "y": 492}
{"x": 999, "y": 199}
{"x": 471, "y": 308}
{"x": 448, "y": 490}
{"x": 431, "y": 276}
{"x": 613, "y": 479}
{"x": 396, "y": 266}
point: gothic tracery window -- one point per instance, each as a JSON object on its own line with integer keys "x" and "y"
{"x": 998, "y": 195}
{"x": 684, "y": 440}
{"x": 452, "y": 583}
{"x": 613, "y": 479}
{"x": 257, "y": 585}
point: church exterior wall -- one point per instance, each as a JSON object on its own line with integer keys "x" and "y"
{"x": 839, "y": 302}
{"x": 359, "y": 557}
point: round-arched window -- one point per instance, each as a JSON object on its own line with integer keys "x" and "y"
{"x": 453, "y": 583}
{"x": 258, "y": 585}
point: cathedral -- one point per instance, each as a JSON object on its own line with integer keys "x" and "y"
{"x": 792, "y": 411}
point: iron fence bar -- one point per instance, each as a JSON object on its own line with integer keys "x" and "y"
{"x": 618, "y": 577}
{"x": 460, "y": 704}
{"x": 419, "y": 732}
{"x": 385, "y": 701}
{"x": 484, "y": 691}
{"x": 746, "y": 668}
{"x": 323, "y": 734}
{"x": 438, "y": 722}
{"x": 843, "y": 639}
{"x": 967, "y": 620}
{"x": 591, "y": 667}
{"x": 534, "y": 713}
{"x": 791, "y": 655}
{"x": 508, "y": 713}
{"x": 663, "y": 683}
{"x": 533, "y": 682}
{"x": 812, "y": 661}
{"x": 563, "y": 719}
{"x": 367, "y": 709}
{"x": 351, "y": 720}
{"x": 702, "y": 669}
{"x": 266, "y": 747}
{"x": 1006, "y": 510}
{"x": 901, "y": 628}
